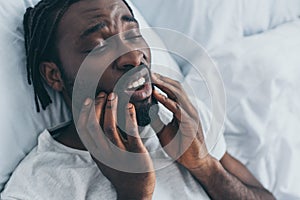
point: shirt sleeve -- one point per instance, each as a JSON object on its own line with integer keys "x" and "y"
{"x": 219, "y": 149}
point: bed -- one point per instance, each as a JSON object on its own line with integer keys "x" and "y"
{"x": 255, "y": 46}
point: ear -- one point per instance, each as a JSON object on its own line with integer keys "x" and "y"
{"x": 52, "y": 75}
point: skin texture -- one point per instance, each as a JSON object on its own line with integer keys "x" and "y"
{"x": 225, "y": 179}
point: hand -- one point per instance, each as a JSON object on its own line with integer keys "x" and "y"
{"x": 188, "y": 146}
{"x": 128, "y": 185}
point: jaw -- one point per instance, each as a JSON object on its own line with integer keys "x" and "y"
{"x": 145, "y": 111}
{"x": 134, "y": 86}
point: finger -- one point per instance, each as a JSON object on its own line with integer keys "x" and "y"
{"x": 171, "y": 105}
{"x": 135, "y": 143}
{"x": 110, "y": 121}
{"x": 83, "y": 115}
{"x": 95, "y": 130}
{"x": 158, "y": 78}
{"x": 99, "y": 106}
{"x": 174, "y": 91}
{"x": 171, "y": 87}
{"x": 82, "y": 124}
{"x": 179, "y": 113}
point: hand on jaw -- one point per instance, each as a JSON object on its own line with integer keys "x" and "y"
{"x": 103, "y": 142}
{"x": 184, "y": 141}
{"x": 97, "y": 125}
{"x": 182, "y": 137}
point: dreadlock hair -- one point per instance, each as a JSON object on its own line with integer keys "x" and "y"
{"x": 40, "y": 26}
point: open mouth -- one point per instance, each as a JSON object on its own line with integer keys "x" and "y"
{"x": 136, "y": 84}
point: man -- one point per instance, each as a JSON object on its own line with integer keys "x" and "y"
{"x": 59, "y": 36}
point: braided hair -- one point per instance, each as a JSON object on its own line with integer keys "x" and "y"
{"x": 40, "y": 27}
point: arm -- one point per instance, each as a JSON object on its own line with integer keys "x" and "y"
{"x": 229, "y": 179}
{"x": 183, "y": 140}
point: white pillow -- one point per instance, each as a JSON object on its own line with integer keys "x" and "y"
{"x": 261, "y": 15}
{"x": 213, "y": 22}
{"x": 208, "y": 22}
{"x": 20, "y": 123}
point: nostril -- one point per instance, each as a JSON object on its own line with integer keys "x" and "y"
{"x": 128, "y": 66}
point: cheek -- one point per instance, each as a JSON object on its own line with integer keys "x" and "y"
{"x": 147, "y": 56}
{"x": 108, "y": 80}
{"x": 68, "y": 77}
{"x": 69, "y": 69}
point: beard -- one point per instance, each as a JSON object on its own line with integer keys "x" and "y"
{"x": 147, "y": 113}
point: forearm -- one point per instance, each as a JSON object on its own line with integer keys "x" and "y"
{"x": 133, "y": 197}
{"x": 219, "y": 184}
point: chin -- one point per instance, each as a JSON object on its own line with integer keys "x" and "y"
{"x": 146, "y": 112}
{"x": 135, "y": 86}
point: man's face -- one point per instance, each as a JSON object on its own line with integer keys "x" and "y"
{"x": 88, "y": 24}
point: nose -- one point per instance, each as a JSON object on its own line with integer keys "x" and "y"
{"x": 130, "y": 59}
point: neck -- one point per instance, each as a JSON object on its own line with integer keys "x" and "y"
{"x": 69, "y": 137}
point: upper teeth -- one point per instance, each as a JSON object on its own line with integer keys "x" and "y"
{"x": 137, "y": 84}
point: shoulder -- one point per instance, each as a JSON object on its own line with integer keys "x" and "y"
{"x": 49, "y": 168}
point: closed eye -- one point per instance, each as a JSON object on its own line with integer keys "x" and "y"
{"x": 98, "y": 49}
{"x": 134, "y": 37}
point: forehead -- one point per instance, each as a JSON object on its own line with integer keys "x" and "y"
{"x": 85, "y": 13}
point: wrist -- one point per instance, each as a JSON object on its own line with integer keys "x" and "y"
{"x": 123, "y": 196}
{"x": 136, "y": 193}
{"x": 206, "y": 169}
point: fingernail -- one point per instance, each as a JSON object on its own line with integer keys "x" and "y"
{"x": 87, "y": 102}
{"x": 129, "y": 106}
{"x": 154, "y": 75}
{"x": 112, "y": 96}
{"x": 101, "y": 95}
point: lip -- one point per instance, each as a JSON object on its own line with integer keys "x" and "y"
{"x": 134, "y": 75}
{"x": 141, "y": 94}
{"x": 135, "y": 95}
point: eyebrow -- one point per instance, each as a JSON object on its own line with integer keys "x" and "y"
{"x": 127, "y": 18}
{"x": 101, "y": 25}
{"x": 92, "y": 29}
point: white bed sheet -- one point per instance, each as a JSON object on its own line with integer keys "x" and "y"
{"x": 261, "y": 74}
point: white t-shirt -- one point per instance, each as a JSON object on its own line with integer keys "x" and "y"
{"x": 56, "y": 172}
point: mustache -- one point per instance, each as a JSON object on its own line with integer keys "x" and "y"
{"x": 135, "y": 70}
